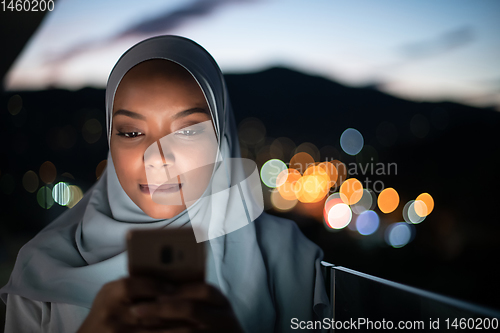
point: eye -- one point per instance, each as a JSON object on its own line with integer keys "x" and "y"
{"x": 188, "y": 132}
{"x": 129, "y": 135}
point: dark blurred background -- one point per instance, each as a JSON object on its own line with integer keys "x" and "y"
{"x": 418, "y": 81}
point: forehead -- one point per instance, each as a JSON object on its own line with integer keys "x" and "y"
{"x": 158, "y": 68}
{"x": 158, "y": 79}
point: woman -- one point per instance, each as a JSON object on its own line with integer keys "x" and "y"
{"x": 174, "y": 162}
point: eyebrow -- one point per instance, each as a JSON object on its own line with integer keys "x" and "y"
{"x": 178, "y": 115}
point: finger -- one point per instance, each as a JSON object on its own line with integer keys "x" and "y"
{"x": 191, "y": 312}
{"x": 143, "y": 288}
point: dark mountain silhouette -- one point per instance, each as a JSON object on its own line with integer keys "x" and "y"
{"x": 447, "y": 149}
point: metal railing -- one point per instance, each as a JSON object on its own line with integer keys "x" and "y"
{"x": 375, "y": 304}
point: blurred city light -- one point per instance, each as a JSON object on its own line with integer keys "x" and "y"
{"x": 388, "y": 200}
{"x": 92, "y": 130}
{"x": 351, "y": 141}
{"x": 47, "y": 172}
{"x": 427, "y": 206}
{"x": 76, "y": 194}
{"x": 280, "y": 203}
{"x": 270, "y": 171}
{"x": 367, "y": 222}
{"x": 251, "y": 131}
{"x": 286, "y": 189}
{"x": 341, "y": 172}
{"x": 30, "y": 181}
{"x": 61, "y": 193}
{"x": 331, "y": 172}
{"x": 365, "y": 203}
{"x": 409, "y": 214}
{"x": 311, "y": 188}
{"x": 44, "y": 197}
{"x": 309, "y": 148}
{"x": 398, "y": 234}
{"x": 332, "y": 200}
{"x": 339, "y": 216}
{"x": 353, "y": 190}
{"x": 15, "y": 104}
{"x": 301, "y": 161}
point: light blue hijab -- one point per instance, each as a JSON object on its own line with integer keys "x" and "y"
{"x": 263, "y": 264}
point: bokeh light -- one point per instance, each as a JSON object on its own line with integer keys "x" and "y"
{"x": 398, "y": 234}
{"x": 331, "y": 172}
{"x": 287, "y": 179}
{"x": 30, "y": 181}
{"x": 246, "y": 152}
{"x": 339, "y": 216}
{"x": 341, "y": 172}
{"x": 270, "y": 171}
{"x": 388, "y": 200}
{"x": 263, "y": 153}
{"x": 44, "y": 197}
{"x": 251, "y": 131}
{"x": 47, "y": 172}
{"x": 351, "y": 141}
{"x": 365, "y": 203}
{"x": 352, "y": 189}
{"x": 92, "y": 130}
{"x": 427, "y": 206}
{"x": 275, "y": 150}
{"x": 301, "y": 161}
{"x": 332, "y": 200}
{"x": 309, "y": 148}
{"x": 76, "y": 194}
{"x": 15, "y": 104}
{"x": 311, "y": 188}
{"x": 409, "y": 213}
{"x": 61, "y": 193}
{"x": 367, "y": 222}
{"x": 328, "y": 153}
{"x": 67, "y": 175}
{"x": 281, "y": 204}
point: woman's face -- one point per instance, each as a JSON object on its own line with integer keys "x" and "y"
{"x": 162, "y": 134}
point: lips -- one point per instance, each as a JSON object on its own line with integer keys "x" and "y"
{"x": 161, "y": 188}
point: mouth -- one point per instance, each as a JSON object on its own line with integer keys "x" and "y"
{"x": 160, "y": 188}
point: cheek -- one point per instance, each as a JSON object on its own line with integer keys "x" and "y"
{"x": 128, "y": 165}
{"x": 195, "y": 167}
{"x": 194, "y": 159}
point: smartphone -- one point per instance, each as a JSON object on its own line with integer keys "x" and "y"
{"x": 170, "y": 254}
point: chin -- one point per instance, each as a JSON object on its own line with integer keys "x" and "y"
{"x": 164, "y": 212}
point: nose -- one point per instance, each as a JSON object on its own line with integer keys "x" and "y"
{"x": 157, "y": 158}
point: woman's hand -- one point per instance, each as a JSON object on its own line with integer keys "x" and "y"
{"x": 136, "y": 304}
